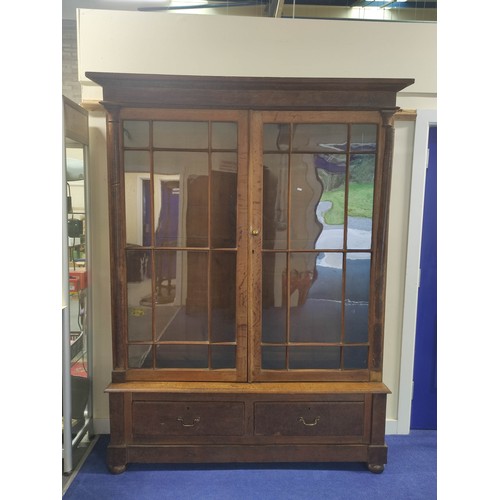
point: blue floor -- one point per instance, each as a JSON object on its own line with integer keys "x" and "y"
{"x": 409, "y": 475}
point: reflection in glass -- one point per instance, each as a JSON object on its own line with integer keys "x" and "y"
{"x": 137, "y": 198}
{"x": 224, "y": 135}
{"x": 165, "y": 276}
{"x": 223, "y": 356}
{"x": 275, "y": 201}
{"x": 355, "y": 357}
{"x": 139, "y": 288}
{"x": 181, "y": 193}
{"x": 329, "y": 137}
{"x": 276, "y": 137}
{"x": 182, "y": 280}
{"x": 182, "y": 356}
{"x": 274, "y": 290}
{"x": 273, "y": 357}
{"x": 308, "y": 297}
{"x": 315, "y": 299}
{"x": 168, "y": 220}
{"x": 135, "y": 134}
{"x": 315, "y": 357}
{"x": 306, "y": 191}
{"x": 360, "y": 202}
{"x": 180, "y": 135}
{"x": 224, "y": 184}
{"x": 139, "y": 356}
{"x": 331, "y": 170}
{"x": 357, "y": 293}
{"x": 363, "y": 137}
{"x": 223, "y": 296}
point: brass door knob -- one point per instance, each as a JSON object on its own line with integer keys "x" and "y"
{"x": 255, "y": 232}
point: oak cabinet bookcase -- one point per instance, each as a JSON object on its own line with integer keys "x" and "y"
{"x": 248, "y": 233}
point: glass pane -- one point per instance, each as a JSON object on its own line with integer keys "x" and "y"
{"x": 319, "y": 137}
{"x": 355, "y": 358}
{"x": 223, "y": 356}
{"x": 224, "y": 184}
{"x": 357, "y": 293}
{"x": 180, "y": 135}
{"x": 274, "y": 292}
{"x": 315, "y": 299}
{"x": 139, "y": 356}
{"x": 166, "y": 264}
{"x": 360, "y": 203}
{"x": 139, "y": 291}
{"x": 137, "y": 198}
{"x": 135, "y": 134}
{"x": 181, "y": 198}
{"x": 363, "y": 137}
{"x": 314, "y": 358}
{"x": 224, "y": 135}
{"x": 182, "y": 356}
{"x": 167, "y": 226}
{"x": 330, "y": 170}
{"x": 306, "y": 192}
{"x": 273, "y": 357}
{"x": 275, "y": 201}
{"x": 182, "y": 296}
{"x": 276, "y": 137}
{"x": 223, "y": 296}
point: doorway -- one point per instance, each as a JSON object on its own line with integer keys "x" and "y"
{"x": 424, "y": 403}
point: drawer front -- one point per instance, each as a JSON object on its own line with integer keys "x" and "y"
{"x": 176, "y": 419}
{"x": 309, "y": 419}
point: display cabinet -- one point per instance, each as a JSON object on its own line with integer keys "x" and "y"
{"x": 248, "y": 236}
{"x": 76, "y": 321}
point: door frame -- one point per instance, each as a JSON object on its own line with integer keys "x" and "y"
{"x": 426, "y": 118}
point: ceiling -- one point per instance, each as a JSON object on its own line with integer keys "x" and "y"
{"x": 382, "y": 10}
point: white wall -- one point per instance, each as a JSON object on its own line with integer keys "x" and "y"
{"x": 139, "y": 42}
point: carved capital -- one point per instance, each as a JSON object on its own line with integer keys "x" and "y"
{"x": 388, "y": 117}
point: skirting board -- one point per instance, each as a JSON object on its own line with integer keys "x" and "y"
{"x": 101, "y": 426}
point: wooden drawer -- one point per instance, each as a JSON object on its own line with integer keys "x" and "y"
{"x": 176, "y": 419}
{"x": 309, "y": 419}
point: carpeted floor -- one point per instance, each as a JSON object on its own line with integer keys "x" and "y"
{"x": 409, "y": 475}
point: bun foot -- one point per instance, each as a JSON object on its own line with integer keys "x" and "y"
{"x": 376, "y": 468}
{"x": 117, "y": 469}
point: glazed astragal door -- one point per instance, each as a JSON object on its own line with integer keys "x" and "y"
{"x": 313, "y": 178}
{"x": 184, "y": 177}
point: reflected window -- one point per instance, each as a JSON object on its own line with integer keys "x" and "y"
{"x": 318, "y": 189}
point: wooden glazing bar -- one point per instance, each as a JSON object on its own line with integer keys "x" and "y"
{"x": 153, "y": 237}
{"x": 210, "y": 252}
{"x": 344, "y": 244}
{"x": 255, "y": 190}
{"x": 242, "y": 223}
{"x": 287, "y": 305}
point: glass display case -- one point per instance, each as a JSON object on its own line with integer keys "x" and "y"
{"x": 76, "y": 331}
{"x": 248, "y": 255}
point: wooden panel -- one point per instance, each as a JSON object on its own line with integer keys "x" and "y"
{"x": 309, "y": 419}
{"x": 326, "y": 389}
{"x": 248, "y": 453}
{"x": 249, "y": 93}
{"x": 187, "y": 418}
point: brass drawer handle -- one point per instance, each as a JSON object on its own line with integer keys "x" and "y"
{"x": 311, "y": 424}
{"x": 196, "y": 420}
